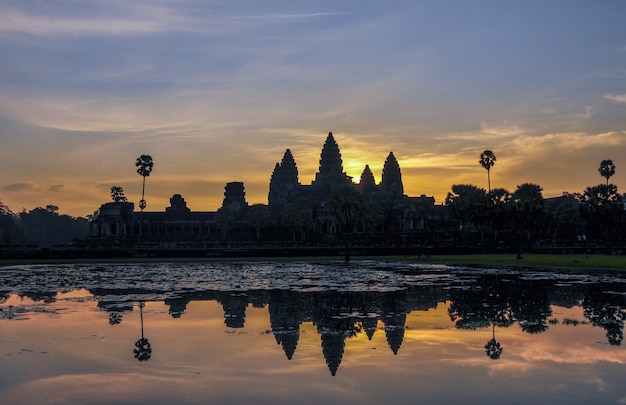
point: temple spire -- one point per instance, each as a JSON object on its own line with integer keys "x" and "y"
{"x": 392, "y": 177}
{"x": 289, "y": 170}
{"x": 367, "y": 182}
{"x": 331, "y": 176}
{"x": 331, "y": 164}
{"x": 284, "y": 184}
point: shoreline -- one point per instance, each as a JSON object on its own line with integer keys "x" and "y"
{"x": 573, "y": 262}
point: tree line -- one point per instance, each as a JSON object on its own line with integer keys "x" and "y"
{"x": 41, "y": 227}
{"x": 595, "y": 213}
{"x": 44, "y": 227}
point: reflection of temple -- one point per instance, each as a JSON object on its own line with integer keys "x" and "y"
{"x": 287, "y": 311}
{"x": 117, "y": 224}
{"x": 474, "y": 300}
{"x": 234, "y": 309}
{"x": 394, "y": 318}
{"x": 482, "y": 301}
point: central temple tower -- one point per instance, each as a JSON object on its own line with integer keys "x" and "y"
{"x": 330, "y": 176}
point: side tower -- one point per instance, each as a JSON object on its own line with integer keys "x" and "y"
{"x": 392, "y": 177}
{"x": 284, "y": 184}
{"x": 113, "y": 221}
{"x": 235, "y": 197}
{"x": 178, "y": 206}
{"x": 367, "y": 184}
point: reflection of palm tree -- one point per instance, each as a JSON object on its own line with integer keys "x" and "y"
{"x": 143, "y": 349}
{"x": 115, "y": 318}
{"x": 607, "y": 311}
{"x": 493, "y": 348}
{"x": 144, "y": 168}
{"x": 614, "y": 334}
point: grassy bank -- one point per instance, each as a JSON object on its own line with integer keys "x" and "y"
{"x": 563, "y": 261}
{"x": 592, "y": 261}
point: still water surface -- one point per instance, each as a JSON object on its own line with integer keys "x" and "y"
{"x": 274, "y": 332}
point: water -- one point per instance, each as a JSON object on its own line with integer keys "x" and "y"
{"x": 283, "y": 332}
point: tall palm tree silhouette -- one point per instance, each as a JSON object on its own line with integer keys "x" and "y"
{"x": 487, "y": 160}
{"x": 143, "y": 349}
{"x": 607, "y": 169}
{"x": 144, "y": 166}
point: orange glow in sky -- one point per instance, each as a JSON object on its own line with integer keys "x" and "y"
{"x": 215, "y": 92}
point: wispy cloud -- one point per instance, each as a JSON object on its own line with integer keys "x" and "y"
{"x": 220, "y": 89}
{"x": 20, "y": 187}
{"x": 504, "y": 129}
{"x": 124, "y": 18}
{"x": 17, "y": 21}
{"x": 620, "y": 98}
{"x": 55, "y": 188}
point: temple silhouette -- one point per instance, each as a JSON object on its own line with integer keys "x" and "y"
{"x": 334, "y": 214}
{"x": 295, "y": 212}
{"x": 285, "y": 186}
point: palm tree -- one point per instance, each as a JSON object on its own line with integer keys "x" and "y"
{"x": 468, "y": 203}
{"x": 117, "y": 194}
{"x": 346, "y": 205}
{"x": 259, "y": 217}
{"x": 487, "y": 160}
{"x": 607, "y": 169}
{"x": 298, "y": 217}
{"x": 225, "y": 216}
{"x": 499, "y": 210}
{"x": 144, "y": 166}
{"x": 529, "y": 208}
{"x": 602, "y": 207}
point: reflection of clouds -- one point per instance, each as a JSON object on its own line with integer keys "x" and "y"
{"x": 205, "y": 364}
{"x": 107, "y": 388}
{"x": 509, "y": 367}
{"x": 600, "y": 384}
{"x": 553, "y": 351}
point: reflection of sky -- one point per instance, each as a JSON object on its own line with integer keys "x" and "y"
{"x": 216, "y": 91}
{"x": 66, "y": 352}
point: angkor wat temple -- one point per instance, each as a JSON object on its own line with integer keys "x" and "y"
{"x": 285, "y": 186}
{"x": 295, "y": 213}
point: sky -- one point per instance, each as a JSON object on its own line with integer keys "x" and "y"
{"x": 216, "y": 91}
